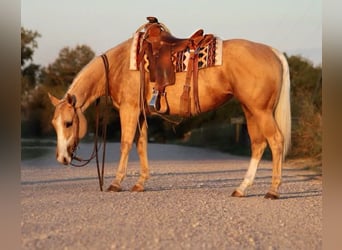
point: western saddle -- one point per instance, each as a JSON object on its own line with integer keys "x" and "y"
{"x": 158, "y": 45}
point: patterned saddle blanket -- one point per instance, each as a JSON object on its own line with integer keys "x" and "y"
{"x": 210, "y": 55}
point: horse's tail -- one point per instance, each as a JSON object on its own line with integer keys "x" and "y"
{"x": 283, "y": 108}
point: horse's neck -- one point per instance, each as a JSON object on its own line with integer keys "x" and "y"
{"x": 89, "y": 84}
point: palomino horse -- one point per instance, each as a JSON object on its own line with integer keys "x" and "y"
{"x": 256, "y": 74}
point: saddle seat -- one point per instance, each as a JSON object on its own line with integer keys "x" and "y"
{"x": 180, "y": 44}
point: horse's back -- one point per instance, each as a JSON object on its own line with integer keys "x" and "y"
{"x": 245, "y": 51}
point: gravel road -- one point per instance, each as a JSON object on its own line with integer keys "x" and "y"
{"x": 186, "y": 205}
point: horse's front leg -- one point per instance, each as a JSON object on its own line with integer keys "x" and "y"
{"x": 129, "y": 121}
{"x": 142, "y": 152}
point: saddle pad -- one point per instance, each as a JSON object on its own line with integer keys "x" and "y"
{"x": 210, "y": 55}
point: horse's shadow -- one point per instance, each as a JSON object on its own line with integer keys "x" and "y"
{"x": 223, "y": 183}
{"x": 203, "y": 180}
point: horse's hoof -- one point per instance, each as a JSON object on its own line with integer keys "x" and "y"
{"x": 271, "y": 196}
{"x": 137, "y": 188}
{"x": 237, "y": 193}
{"x": 113, "y": 188}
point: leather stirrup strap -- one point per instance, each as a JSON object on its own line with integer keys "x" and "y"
{"x": 195, "y": 84}
{"x": 185, "y": 101}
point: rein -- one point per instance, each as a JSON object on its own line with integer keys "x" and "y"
{"x": 95, "y": 153}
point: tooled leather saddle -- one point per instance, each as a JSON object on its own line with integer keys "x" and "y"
{"x": 158, "y": 46}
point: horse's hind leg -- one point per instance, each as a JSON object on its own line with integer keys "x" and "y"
{"x": 258, "y": 145}
{"x": 275, "y": 141}
{"x": 142, "y": 152}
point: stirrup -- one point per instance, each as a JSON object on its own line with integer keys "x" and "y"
{"x": 154, "y": 104}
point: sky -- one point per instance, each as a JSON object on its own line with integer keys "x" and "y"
{"x": 292, "y": 26}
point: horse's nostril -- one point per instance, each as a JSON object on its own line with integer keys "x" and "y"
{"x": 65, "y": 161}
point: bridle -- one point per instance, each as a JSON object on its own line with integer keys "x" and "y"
{"x": 95, "y": 153}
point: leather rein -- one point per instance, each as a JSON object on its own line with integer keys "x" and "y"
{"x": 95, "y": 153}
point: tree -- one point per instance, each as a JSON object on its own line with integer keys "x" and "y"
{"x": 28, "y": 44}
{"x": 63, "y": 70}
{"x": 29, "y": 70}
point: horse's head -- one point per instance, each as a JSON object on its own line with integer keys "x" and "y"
{"x": 70, "y": 126}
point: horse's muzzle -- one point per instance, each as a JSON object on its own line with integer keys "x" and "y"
{"x": 63, "y": 159}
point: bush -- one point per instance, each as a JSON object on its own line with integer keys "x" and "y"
{"x": 306, "y": 129}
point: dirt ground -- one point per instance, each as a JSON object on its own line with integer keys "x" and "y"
{"x": 186, "y": 205}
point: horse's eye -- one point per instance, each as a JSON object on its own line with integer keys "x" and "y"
{"x": 68, "y": 124}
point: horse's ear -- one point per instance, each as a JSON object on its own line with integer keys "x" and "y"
{"x": 82, "y": 124}
{"x": 53, "y": 99}
{"x": 71, "y": 99}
